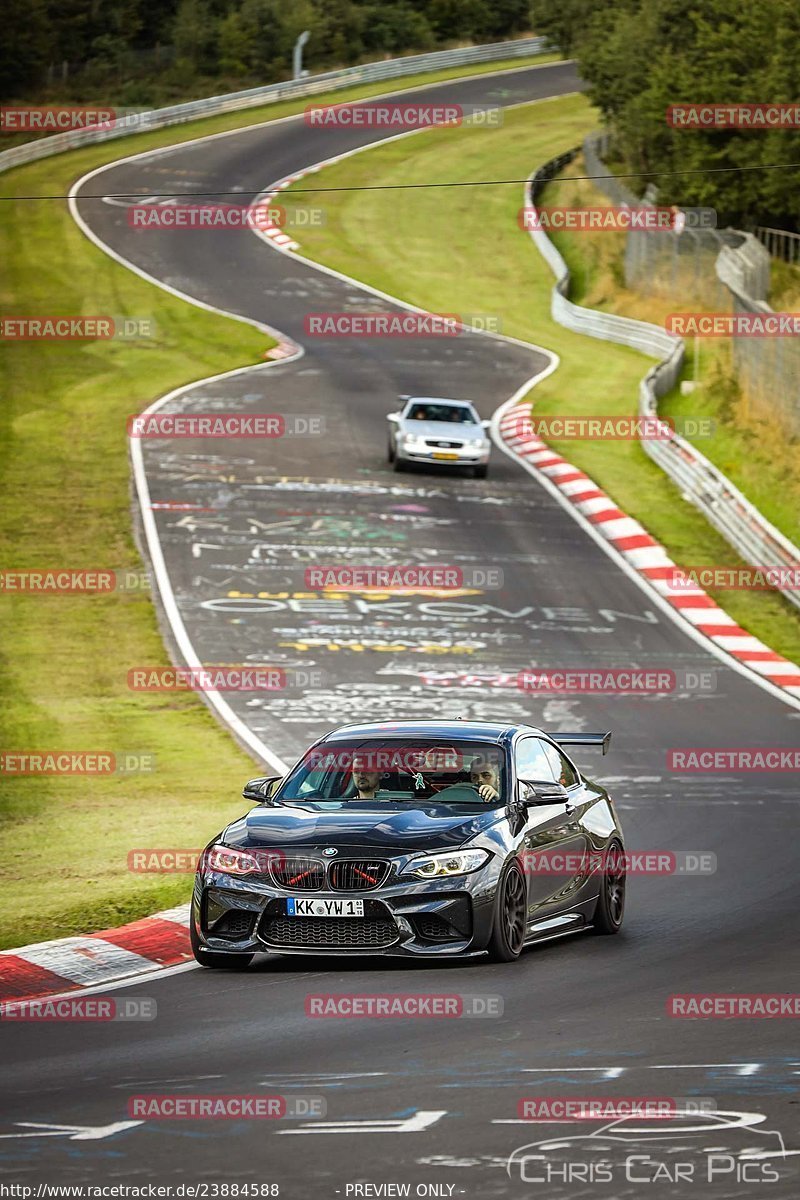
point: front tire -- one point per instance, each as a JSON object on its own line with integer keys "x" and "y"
{"x": 390, "y": 452}
{"x": 217, "y": 961}
{"x": 399, "y": 464}
{"x": 481, "y": 472}
{"x": 508, "y": 928}
{"x": 610, "y": 911}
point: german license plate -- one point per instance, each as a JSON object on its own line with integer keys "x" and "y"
{"x": 439, "y": 454}
{"x": 318, "y": 907}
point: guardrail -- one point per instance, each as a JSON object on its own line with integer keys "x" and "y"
{"x": 780, "y": 243}
{"x": 703, "y": 484}
{"x": 311, "y": 85}
{"x": 715, "y": 268}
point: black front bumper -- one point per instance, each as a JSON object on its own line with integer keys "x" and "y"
{"x": 439, "y": 918}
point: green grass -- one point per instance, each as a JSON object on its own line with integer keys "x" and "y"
{"x": 461, "y": 250}
{"x": 66, "y": 503}
{"x": 63, "y": 458}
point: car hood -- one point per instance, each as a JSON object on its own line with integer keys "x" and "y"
{"x": 393, "y": 828}
{"x": 446, "y": 430}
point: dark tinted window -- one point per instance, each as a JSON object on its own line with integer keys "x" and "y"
{"x": 454, "y": 414}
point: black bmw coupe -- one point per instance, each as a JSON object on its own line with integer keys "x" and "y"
{"x": 415, "y": 838}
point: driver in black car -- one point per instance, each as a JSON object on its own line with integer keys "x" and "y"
{"x": 366, "y": 781}
{"x": 485, "y": 776}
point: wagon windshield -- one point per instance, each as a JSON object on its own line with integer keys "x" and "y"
{"x": 391, "y": 771}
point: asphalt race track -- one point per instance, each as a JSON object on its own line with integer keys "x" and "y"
{"x": 583, "y": 1016}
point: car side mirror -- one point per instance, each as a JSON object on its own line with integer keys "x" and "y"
{"x": 543, "y": 791}
{"x": 261, "y": 790}
{"x": 393, "y": 416}
{"x": 486, "y": 424}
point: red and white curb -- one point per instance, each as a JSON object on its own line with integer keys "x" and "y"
{"x": 66, "y": 964}
{"x": 275, "y": 233}
{"x": 644, "y": 554}
{"x": 282, "y": 350}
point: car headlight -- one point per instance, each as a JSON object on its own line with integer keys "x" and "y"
{"x": 434, "y": 866}
{"x": 233, "y": 862}
{"x": 413, "y": 439}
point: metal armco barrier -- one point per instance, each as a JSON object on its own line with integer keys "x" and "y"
{"x": 716, "y": 268}
{"x": 178, "y": 114}
{"x": 740, "y": 523}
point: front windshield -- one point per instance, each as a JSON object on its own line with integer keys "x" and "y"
{"x": 388, "y": 770}
{"x": 457, "y": 414}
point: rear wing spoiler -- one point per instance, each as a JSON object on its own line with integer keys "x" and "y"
{"x": 583, "y": 739}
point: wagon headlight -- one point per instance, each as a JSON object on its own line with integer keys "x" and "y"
{"x": 434, "y": 866}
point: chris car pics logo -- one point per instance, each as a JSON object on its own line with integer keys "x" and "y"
{"x": 689, "y": 1148}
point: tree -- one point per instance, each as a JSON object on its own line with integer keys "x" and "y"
{"x": 397, "y": 27}
{"x": 233, "y": 44}
{"x": 23, "y": 47}
{"x": 194, "y": 33}
{"x": 641, "y": 56}
{"x": 563, "y": 22}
